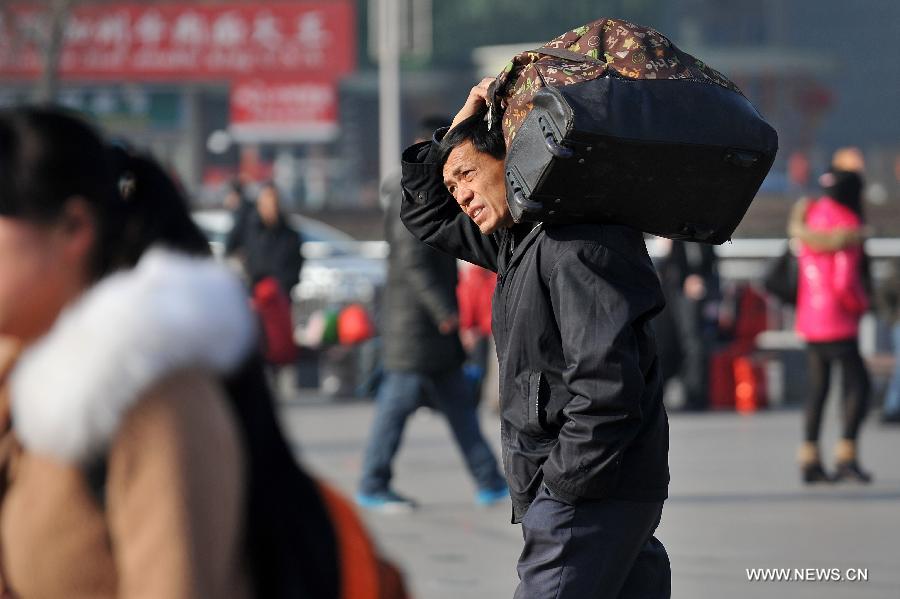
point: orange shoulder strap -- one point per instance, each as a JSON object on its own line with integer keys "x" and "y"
{"x": 364, "y": 574}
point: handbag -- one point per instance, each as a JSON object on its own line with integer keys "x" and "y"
{"x": 274, "y": 309}
{"x": 782, "y": 277}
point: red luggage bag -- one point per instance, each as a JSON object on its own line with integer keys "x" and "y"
{"x": 274, "y": 309}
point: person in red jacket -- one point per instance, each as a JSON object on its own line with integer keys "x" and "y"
{"x": 474, "y": 293}
{"x": 831, "y": 298}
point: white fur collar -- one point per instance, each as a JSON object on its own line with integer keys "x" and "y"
{"x": 70, "y": 389}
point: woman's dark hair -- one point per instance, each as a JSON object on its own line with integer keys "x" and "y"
{"x": 846, "y": 188}
{"x": 155, "y": 210}
{"x": 49, "y": 155}
{"x": 474, "y": 129}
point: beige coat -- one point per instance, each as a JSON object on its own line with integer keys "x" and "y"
{"x": 172, "y": 526}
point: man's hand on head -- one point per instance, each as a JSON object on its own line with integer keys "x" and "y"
{"x": 477, "y": 98}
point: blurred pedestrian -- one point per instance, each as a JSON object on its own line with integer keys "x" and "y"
{"x": 583, "y": 426}
{"x": 668, "y": 343}
{"x": 423, "y": 360}
{"x": 831, "y": 298}
{"x": 240, "y": 207}
{"x": 269, "y": 251}
{"x": 691, "y": 282}
{"x": 270, "y": 247}
{"x": 140, "y": 454}
{"x": 117, "y": 397}
{"x": 889, "y": 308}
{"x": 474, "y": 293}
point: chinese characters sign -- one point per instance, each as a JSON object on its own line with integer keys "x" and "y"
{"x": 275, "y": 40}
{"x": 272, "y": 111}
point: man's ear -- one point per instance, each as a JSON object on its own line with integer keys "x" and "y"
{"x": 77, "y": 229}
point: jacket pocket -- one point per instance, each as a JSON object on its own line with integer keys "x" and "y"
{"x": 537, "y": 396}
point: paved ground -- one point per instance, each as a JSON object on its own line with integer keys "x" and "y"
{"x": 735, "y": 503}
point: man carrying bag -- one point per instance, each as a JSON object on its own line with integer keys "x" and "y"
{"x": 584, "y": 431}
{"x": 547, "y": 176}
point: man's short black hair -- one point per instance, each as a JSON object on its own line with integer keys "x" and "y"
{"x": 474, "y": 129}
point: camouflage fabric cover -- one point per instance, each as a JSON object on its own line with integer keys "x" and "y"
{"x": 611, "y": 46}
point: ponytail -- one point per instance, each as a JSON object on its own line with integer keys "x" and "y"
{"x": 150, "y": 209}
{"x": 48, "y": 155}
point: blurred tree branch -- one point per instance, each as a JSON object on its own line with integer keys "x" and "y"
{"x": 8, "y": 28}
{"x": 54, "y": 38}
{"x": 46, "y": 31}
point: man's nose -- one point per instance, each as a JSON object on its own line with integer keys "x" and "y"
{"x": 464, "y": 196}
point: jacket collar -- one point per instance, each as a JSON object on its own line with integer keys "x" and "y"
{"x": 515, "y": 243}
{"x": 71, "y": 388}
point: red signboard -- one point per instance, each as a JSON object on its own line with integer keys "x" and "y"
{"x": 277, "y": 40}
{"x": 269, "y": 111}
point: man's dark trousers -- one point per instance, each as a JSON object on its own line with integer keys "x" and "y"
{"x": 400, "y": 394}
{"x": 592, "y": 550}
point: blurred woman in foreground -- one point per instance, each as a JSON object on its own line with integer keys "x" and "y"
{"x": 122, "y": 462}
{"x": 140, "y": 455}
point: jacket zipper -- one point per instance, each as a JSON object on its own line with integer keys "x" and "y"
{"x": 501, "y": 279}
{"x": 502, "y": 298}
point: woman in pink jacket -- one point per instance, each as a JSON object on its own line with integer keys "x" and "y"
{"x": 831, "y": 298}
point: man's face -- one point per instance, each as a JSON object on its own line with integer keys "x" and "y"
{"x": 476, "y": 181}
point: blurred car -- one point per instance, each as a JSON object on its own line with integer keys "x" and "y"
{"x": 337, "y": 268}
{"x": 337, "y": 271}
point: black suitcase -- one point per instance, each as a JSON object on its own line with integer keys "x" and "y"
{"x": 672, "y": 157}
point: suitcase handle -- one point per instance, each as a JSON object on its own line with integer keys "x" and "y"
{"x": 525, "y": 204}
{"x": 568, "y": 55}
{"x": 556, "y": 149}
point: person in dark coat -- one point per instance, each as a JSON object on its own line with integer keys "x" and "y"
{"x": 270, "y": 247}
{"x": 691, "y": 279}
{"x": 423, "y": 359}
{"x": 241, "y": 210}
{"x": 583, "y": 427}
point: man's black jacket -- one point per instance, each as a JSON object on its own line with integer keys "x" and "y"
{"x": 421, "y": 292}
{"x": 580, "y": 396}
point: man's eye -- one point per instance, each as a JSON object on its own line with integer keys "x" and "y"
{"x": 469, "y": 174}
